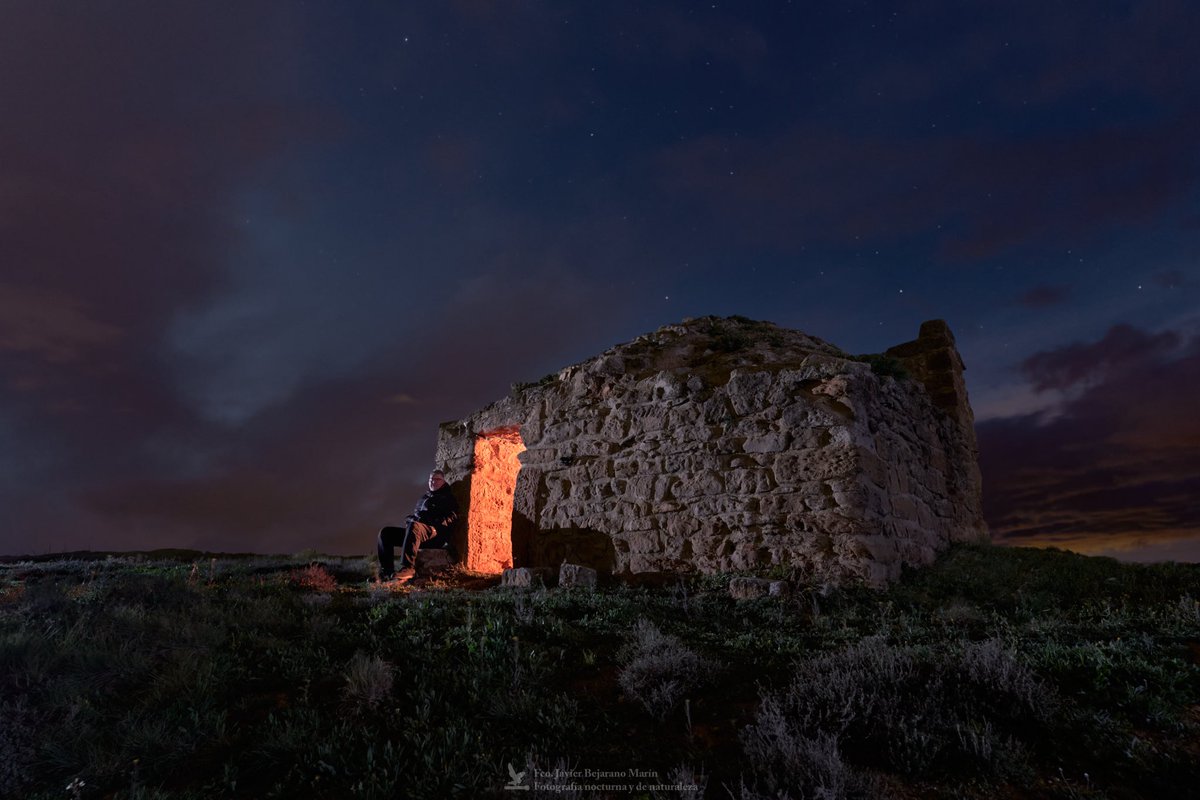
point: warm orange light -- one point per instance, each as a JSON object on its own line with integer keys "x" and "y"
{"x": 489, "y": 520}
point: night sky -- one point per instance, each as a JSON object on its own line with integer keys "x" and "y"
{"x": 252, "y": 253}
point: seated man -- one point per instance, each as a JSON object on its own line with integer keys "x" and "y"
{"x": 428, "y": 526}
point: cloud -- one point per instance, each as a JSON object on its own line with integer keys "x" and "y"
{"x": 1044, "y": 296}
{"x": 1118, "y": 463}
{"x": 979, "y": 197}
{"x": 688, "y": 39}
{"x": 126, "y": 130}
{"x": 1140, "y": 50}
{"x": 232, "y": 317}
{"x": 51, "y": 326}
{"x": 1182, "y": 548}
{"x": 1123, "y": 347}
{"x": 1170, "y": 279}
{"x": 120, "y": 162}
{"x": 346, "y": 454}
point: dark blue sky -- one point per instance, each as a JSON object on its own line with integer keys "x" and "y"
{"x": 251, "y": 254}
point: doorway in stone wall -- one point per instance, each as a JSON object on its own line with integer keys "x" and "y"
{"x": 490, "y": 513}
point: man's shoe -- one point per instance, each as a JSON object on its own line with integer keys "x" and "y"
{"x": 405, "y": 575}
{"x": 384, "y": 577}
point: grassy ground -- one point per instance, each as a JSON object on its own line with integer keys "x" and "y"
{"x": 999, "y": 672}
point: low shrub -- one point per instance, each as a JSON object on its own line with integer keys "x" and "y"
{"x": 1002, "y": 684}
{"x": 907, "y": 709}
{"x": 686, "y": 784}
{"x": 659, "y": 670}
{"x": 368, "y": 681}
{"x": 18, "y": 724}
{"x": 884, "y": 365}
{"x": 314, "y": 577}
{"x": 791, "y": 764}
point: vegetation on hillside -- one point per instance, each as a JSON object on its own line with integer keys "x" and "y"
{"x": 884, "y": 365}
{"x": 996, "y": 673}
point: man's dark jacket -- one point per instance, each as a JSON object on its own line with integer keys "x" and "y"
{"x": 438, "y": 509}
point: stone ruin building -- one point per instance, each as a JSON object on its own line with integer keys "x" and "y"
{"x": 724, "y": 445}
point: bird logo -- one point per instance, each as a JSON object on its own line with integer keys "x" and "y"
{"x": 518, "y": 779}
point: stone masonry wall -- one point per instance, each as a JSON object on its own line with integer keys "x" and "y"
{"x": 773, "y": 448}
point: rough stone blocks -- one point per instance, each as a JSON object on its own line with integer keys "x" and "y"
{"x": 719, "y": 445}
{"x": 576, "y": 575}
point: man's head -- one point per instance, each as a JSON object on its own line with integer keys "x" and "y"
{"x": 437, "y": 479}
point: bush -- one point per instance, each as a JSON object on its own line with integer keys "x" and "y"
{"x": 884, "y": 366}
{"x": 787, "y": 761}
{"x": 1003, "y": 684}
{"x": 660, "y": 670}
{"x": 315, "y": 577}
{"x": 368, "y": 682}
{"x": 691, "y": 784}
{"x": 904, "y": 708}
{"x": 18, "y": 727}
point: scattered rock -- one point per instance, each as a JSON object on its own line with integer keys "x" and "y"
{"x": 524, "y": 577}
{"x": 575, "y": 575}
{"x": 432, "y": 561}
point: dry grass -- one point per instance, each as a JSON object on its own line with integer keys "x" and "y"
{"x": 314, "y": 577}
{"x": 368, "y": 682}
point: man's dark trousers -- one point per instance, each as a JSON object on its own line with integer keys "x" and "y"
{"x": 409, "y": 539}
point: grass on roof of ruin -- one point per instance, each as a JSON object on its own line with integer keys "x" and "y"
{"x": 997, "y": 672}
{"x": 712, "y": 347}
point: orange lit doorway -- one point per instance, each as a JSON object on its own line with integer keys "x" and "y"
{"x": 489, "y": 517}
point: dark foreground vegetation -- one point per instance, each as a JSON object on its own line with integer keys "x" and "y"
{"x": 999, "y": 672}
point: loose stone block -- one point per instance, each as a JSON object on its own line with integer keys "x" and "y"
{"x": 576, "y": 575}
{"x": 433, "y": 560}
{"x": 524, "y": 577}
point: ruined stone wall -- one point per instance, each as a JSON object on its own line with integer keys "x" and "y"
{"x": 917, "y": 481}
{"x": 819, "y": 464}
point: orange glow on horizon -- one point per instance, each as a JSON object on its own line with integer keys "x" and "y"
{"x": 1181, "y": 544}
